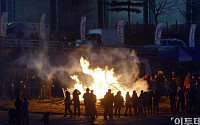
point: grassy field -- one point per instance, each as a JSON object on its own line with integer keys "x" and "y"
{"x": 56, "y": 106}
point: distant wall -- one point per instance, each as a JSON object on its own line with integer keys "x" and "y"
{"x": 30, "y": 10}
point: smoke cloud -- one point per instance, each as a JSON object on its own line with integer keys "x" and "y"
{"x": 63, "y": 65}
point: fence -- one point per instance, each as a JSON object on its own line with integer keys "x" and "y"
{"x": 36, "y": 44}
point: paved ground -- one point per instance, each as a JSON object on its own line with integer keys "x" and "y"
{"x": 60, "y": 120}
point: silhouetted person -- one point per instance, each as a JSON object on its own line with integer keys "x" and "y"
{"x": 180, "y": 99}
{"x": 187, "y": 81}
{"x": 67, "y": 103}
{"x": 172, "y": 98}
{"x": 187, "y": 100}
{"x": 20, "y": 34}
{"x": 18, "y": 110}
{"x": 92, "y": 106}
{"x": 108, "y": 104}
{"x": 32, "y": 36}
{"x": 43, "y": 90}
{"x": 192, "y": 101}
{"x": 140, "y": 105}
{"x": 135, "y": 102}
{"x": 12, "y": 116}
{"x": 118, "y": 103}
{"x": 86, "y": 97}
{"x": 27, "y": 83}
{"x": 198, "y": 100}
{"x": 36, "y": 36}
{"x": 128, "y": 104}
{"x": 45, "y": 118}
{"x": 12, "y": 90}
{"x": 76, "y": 94}
{"x": 156, "y": 99}
{"x": 25, "y": 111}
{"x": 3, "y": 90}
{"x": 149, "y": 102}
{"x": 49, "y": 87}
{"x": 144, "y": 99}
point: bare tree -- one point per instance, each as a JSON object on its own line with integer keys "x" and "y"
{"x": 159, "y": 7}
{"x": 128, "y": 6}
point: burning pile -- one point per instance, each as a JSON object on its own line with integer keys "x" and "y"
{"x": 104, "y": 79}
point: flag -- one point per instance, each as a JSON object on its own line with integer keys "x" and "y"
{"x": 42, "y": 26}
{"x": 120, "y": 31}
{"x": 192, "y": 35}
{"x": 82, "y": 27}
{"x": 158, "y": 33}
{"x": 3, "y": 24}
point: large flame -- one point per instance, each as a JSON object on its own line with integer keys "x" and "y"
{"x": 103, "y": 79}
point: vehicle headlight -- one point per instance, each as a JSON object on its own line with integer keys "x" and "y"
{"x": 77, "y": 44}
{"x": 69, "y": 43}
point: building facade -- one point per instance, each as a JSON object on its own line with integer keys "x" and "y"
{"x": 65, "y": 15}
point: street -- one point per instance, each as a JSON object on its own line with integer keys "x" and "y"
{"x": 34, "y": 119}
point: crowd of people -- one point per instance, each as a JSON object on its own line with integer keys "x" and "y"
{"x": 183, "y": 93}
{"x": 31, "y": 87}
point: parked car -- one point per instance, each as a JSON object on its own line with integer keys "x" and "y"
{"x": 166, "y": 44}
{"x": 173, "y": 42}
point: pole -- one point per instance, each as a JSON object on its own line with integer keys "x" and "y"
{"x": 56, "y": 15}
{"x": 4, "y": 74}
{"x": 2, "y": 48}
{"x": 129, "y": 12}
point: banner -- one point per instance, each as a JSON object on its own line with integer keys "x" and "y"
{"x": 3, "y": 24}
{"x": 42, "y": 26}
{"x": 192, "y": 35}
{"x": 158, "y": 33}
{"x": 82, "y": 28}
{"x": 120, "y": 31}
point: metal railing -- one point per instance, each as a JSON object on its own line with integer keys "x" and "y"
{"x": 26, "y": 43}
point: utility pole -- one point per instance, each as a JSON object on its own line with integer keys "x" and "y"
{"x": 57, "y": 15}
{"x": 129, "y": 12}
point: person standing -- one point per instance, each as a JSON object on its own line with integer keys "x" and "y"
{"x": 128, "y": 104}
{"x": 108, "y": 104}
{"x": 181, "y": 99}
{"x": 140, "y": 105}
{"x": 187, "y": 81}
{"x": 86, "y": 97}
{"x": 27, "y": 83}
{"x": 76, "y": 94}
{"x": 18, "y": 109}
{"x": 172, "y": 98}
{"x": 149, "y": 102}
{"x": 192, "y": 101}
{"x": 135, "y": 102}
{"x": 43, "y": 87}
{"x": 49, "y": 87}
{"x": 156, "y": 99}
{"x": 12, "y": 89}
{"x": 198, "y": 100}
{"x": 25, "y": 105}
{"x": 118, "y": 103}
{"x": 67, "y": 103}
{"x": 167, "y": 86}
{"x": 20, "y": 35}
{"x": 3, "y": 89}
{"x": 92, "y": 107}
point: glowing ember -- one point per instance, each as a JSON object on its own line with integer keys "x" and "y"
{"x": 104, "y": 79}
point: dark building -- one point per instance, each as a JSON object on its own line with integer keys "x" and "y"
{"x": 192, "y": 11}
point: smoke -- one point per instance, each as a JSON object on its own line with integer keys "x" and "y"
{"x": 63, "y": 65}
